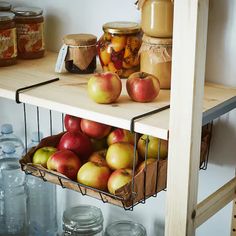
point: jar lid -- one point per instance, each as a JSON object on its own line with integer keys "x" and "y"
{"x": 157, "y": 41}
{"x": 5, "y": 6}
{"x": 27, "y": 11}
{"x": 8, "y": 148}
{"x": 83, "y": 219}
{"x": 80, "y": 39}
{"x": 125, "y": 228}
{"x": 121, "y": 27}
{"x": 6, "y": 16}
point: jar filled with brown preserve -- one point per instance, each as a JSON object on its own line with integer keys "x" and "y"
{"x": 30, "y": 32}
{"x": 5, "y": 6}
{"x": 8, "y": 49}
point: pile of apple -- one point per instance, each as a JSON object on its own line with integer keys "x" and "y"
{"x": 98, "y": 155}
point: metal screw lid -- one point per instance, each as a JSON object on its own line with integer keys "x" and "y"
{"x": 6, "y": 16}
{"x": 27, "y": 11}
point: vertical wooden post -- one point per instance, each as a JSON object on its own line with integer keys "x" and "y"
{"x": 187, "y": 88}
{"x": 233, "y": 222}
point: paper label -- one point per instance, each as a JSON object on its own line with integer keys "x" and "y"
{"x": 61, "y": 58}
{"x": 8, "y": 43}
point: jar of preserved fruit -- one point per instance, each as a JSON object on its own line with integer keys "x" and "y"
{"x": 118, "y": 47}
{"x": 157, "y": 17}
{"x": 83, "y": 220}
{"x": 81, "y": 53}
{"x": 30, "y": 32}
{"x": 5, "y": 6}
{"x": 8, "y": 49}
{"x": 156, "y": 57}
{"x": 124, "y": 228}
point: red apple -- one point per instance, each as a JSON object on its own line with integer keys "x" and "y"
{"x": 153, "y": 147}
{"x": 65, "y": 162}
{"x": 99, "y": 157}
{"x": 120, "y": 135}
{"x": 142, "y": 164}
{"x": 118, "y": 179}
{"x": 142, "y": 87}
{"x": 76, "y": 142}
{"x": 99, "y": 144}
{"x": 94, "y": 175}
{"x": 42, "y": 155}
{"x": 104, "y": 87}
{"x": 121, "y": 155}
{"x": 72, "y": 123}
{"x": 94, "y": 129}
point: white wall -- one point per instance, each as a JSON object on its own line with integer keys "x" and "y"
{"x": 76, "y": 16}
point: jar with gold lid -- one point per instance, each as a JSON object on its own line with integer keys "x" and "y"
{"x": 8, "y": 49}
{"x": 5, "y": 6}
{"x": 118, "y": 47}
{"x": 30, "y": 32}
{"x": 156, "y": 57}
{"x": 157, "y": 17}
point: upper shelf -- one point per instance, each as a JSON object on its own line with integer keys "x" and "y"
{"x": 69, "y": 95}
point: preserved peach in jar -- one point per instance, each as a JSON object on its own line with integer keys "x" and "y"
{"x": 118, "y": 48}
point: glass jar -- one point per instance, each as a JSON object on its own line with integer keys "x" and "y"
{"x": 156, "y": 57}
{"x": 30, "y": 32}
{"x": 83, "y": 220}
{"x": 81, "y": 53}
{"x": 125, "y": 228}
{"x": 157, "y": 18}
{"x": 8, "y": 49}
{"x": 5, "y": 6}
{"x": 118, "y": 48}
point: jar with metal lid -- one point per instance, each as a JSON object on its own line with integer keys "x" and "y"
{"x": 83, "y": 220}
{"x": 157, "y": 17}
{"x": 118, "y": 47}
{"x": 81, "y": 53}
{"x": 125, "y": 228}
{"x": 8, "y": 49}
{"x": 30, "y": 32}
{"x": 156, "y": 57}
{"x": 5, "y": 6}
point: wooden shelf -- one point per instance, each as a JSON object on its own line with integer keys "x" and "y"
{"x": 69, "y": 95}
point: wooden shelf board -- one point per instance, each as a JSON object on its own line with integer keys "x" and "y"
{"x": 69, "y": 95}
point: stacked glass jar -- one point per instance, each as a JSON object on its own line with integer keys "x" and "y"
{"x": 156, "y": 49}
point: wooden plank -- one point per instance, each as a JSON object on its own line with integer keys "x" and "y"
{"x": 233, "y": 222}
{"x": 216, "y": 201}
{"x": 188, "y": 72}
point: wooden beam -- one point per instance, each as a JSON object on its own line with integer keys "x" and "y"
{"x": 215, "y": 202}
{"x": 188, "y": 73}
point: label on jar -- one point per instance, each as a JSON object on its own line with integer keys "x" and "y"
{"x": 8, "y": 48}
{"x": 61, "y": 58}
{"x": 30, "y": 37}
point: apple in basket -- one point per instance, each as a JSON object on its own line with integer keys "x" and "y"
{"x": 104, "y": 88}
{"x": 65, "y": 162}
{"x": 72, "y": 123}
{"x": 99, "y": 157}
{"x": 120, "y": 135}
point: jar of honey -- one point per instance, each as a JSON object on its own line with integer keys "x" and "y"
{"x": 118, "y": 48}
{"x": 8, "y": 49}
{"x": 5, "y": 6}
{"x": 156, "y": 57}
{"x": 157, "y": 18}
{"x": 30, "y": 32}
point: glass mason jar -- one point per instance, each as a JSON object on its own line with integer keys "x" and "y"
{"x": 125, "y": 228}
{"x": 30, "y": 32}
{"x": 5, "y": 6}
{"x": 8, "y": 48}
{"x": 118, "y": 48}
{"x": 157, "y": 18}
{"x": 156, "y": 57}
{"x": 83, "y": 220}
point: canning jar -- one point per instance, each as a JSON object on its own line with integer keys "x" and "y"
{"x": 5, "y": 6}
{"x": 125, "y": 228}
{"x": 118, "y": 47}
{"x": 30, "y": 32}
{"x": 157, "y": 18}
{"x": 83, "y": 220}
{"x": 81, "y": 53}
{"x": 8, "y": 49}
{"x": 156, "y": 57}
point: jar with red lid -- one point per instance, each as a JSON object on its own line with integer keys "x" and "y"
{"x": 5, "y": 6}
{"x": 118, "y": 47}
{"x": 30, "y": 32}
{"x": 8, "y": 49}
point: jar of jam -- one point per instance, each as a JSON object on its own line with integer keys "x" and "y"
{"x": 156, "y": 57}
{"x": 8, "y": 49}
{"x": 157, "y": 18}
{"x": 30, "y": 32}
{"x": 118, "y": 47}
{"x": 5, "y": 6}
{"x": 81, "y": 53}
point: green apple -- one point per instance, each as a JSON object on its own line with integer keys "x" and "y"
{"x": 42, "y": 155}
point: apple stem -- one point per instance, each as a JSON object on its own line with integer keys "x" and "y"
{"x": 142, "y": 75}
